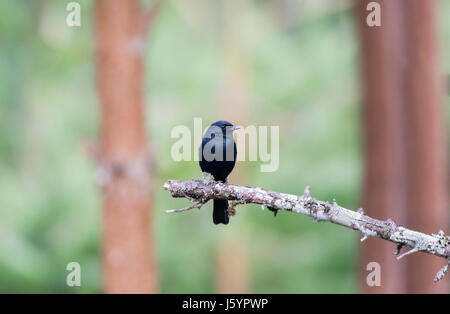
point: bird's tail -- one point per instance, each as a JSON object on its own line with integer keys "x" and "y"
{"x": 220, "y": 212}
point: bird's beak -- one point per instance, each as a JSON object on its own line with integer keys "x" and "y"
{"x": 234, "y": 128}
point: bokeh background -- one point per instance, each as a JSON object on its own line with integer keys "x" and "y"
{"x": 290, "y": 63}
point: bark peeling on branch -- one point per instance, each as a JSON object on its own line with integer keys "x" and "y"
{"x": 201, "y": 192}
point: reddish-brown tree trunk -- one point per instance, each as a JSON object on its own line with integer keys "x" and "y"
{"x": 233, "y": 257}
{"x": 128, "y": 261}
{"x": 384, "y": 183}
{"x": 232, "y": 266}
{"x": 404, "y": 137}
{"x": 426, "y": 143}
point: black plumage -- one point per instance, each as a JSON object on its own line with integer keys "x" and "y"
{"x": 218, "y": 157}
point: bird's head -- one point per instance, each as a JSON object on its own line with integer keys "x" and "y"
{"x": 225, "y": 126}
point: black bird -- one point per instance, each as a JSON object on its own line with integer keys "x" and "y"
{"x": 217, "y": 157}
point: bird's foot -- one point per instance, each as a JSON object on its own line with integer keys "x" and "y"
{"x": 274, "y": 210}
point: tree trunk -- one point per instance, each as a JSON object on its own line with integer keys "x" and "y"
{"x": 404, "y": 137}
{"x": 426, "y": 143}
{"x": 233, "y": 105}
{"x": 127, "y": 253}
{"x": 384, "y": 182}
{"x": 233, "y": 266}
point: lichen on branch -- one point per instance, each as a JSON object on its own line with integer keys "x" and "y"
{"x": 201, "y": 192}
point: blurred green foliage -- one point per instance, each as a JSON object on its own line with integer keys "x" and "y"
{"x": 302, "y": 60}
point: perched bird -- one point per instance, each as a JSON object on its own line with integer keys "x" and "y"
{"x": 217, "y": 157}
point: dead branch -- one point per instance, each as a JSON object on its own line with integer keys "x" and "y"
{"x": 200, "y": 192}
